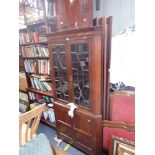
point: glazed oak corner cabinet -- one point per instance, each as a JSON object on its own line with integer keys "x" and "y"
{"x": 79, "y": 72}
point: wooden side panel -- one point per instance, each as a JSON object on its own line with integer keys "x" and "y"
{"x": 52, "y": 70}
{"x": 95, "y": 80}
{"x": 21, "y": 63}
{"x": 108, "y": 57}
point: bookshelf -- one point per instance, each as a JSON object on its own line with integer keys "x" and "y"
{"x": 37, "y": 18}
{"x": 38, "y": 74}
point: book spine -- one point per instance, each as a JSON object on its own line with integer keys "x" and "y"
{"x": 36, "y": 37}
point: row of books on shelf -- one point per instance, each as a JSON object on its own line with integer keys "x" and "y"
{"x": 35, "y": 51}
{"x": 23, "y": 96}
{"x": 23, "y": 106}
{"x": 41, "y": 84}
{"x": 41, "y": 99}
{"x": 43, "y": 66}
{"x": 31, "y": 37}
{"x": 47, "y": 114}
{"x": 37, "y": 66}
{"x": 30, "y": 66}
{"x": 32, "y": 96}
{"x": 22, "y": 81}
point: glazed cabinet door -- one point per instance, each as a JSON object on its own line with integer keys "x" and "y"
{"x": 85, "y": 59}
{"x": 59, "y": 60}
{"x": 80, "y": 72}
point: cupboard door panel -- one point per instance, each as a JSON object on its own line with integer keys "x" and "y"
{"x": 65, "y": 129}
{"x": 64, "y": 123}
{"x": 61, "y": 113}
{"x": 83, "y": 140}
{"x": 61, "y": 14}
{"x": 83, "y": 124}
{"x": 63, "y": 117}
{"x": 74, "y": 14}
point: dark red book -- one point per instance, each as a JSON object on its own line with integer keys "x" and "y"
{"x": 36, "y": 37}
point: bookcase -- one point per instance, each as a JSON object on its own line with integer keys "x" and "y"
{"x": 38, "y": 19}
{"x": 79, "y": 68}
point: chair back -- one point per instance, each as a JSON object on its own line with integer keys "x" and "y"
{"x": 30, "y": 121}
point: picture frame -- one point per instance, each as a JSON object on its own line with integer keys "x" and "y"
{"x": 120, "y": 146}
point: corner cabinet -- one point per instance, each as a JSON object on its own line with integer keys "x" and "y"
{"x": 77, "y": 69}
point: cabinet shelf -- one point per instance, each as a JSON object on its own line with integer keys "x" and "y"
{"x": 22, "y": 90}
{"x": 39, "y": 43}
{"x": 41, "y": 21}
{"x": 30, "y": 73}
{"x": 49, "y": 93}
{"x": 35, "y": 57}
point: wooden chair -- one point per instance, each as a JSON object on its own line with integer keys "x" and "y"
{"x": 28, "y": 125}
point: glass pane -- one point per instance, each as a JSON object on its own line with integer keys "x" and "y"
{"x": 59, "y": 58}
{"x": 79, "y": 56}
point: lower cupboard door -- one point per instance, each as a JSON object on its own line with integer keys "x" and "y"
{"x": 83, "y": 140}
{"x": 65, "y": 131}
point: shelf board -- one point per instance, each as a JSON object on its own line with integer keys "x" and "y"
{"x": 35, "y": 57}
{"x": 30, "y": 73}
{"x": 23, "y": 90}
{"x": 49, "y": 93}
{"x": 39, "y": 43}
{"x": 47, "y": 121}
{"x": 35, "y": 23}
{"x": 32, "y": 101}
{"x": 22, "y": 4}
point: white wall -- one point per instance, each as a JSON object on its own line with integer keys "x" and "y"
{"x": 123, "y": 46}
{"x": 123, "y": 12}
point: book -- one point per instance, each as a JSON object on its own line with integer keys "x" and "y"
{"x": 36, "y": 37}
{"x": 51, "y": 115}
